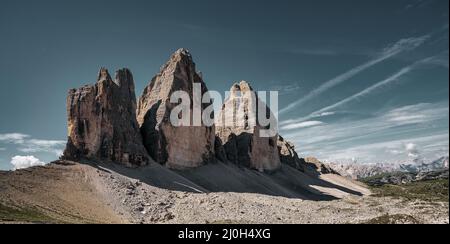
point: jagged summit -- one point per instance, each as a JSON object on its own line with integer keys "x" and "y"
{"x": 124, "y": 79}
{"x": 182, "y": 56}
{"x": 240, "y": 87}
{"x": 102, "y": 122}
{"x": 103, "y": 74}
{"x": 182, "y": 52}
{"x": 245, "y": 86}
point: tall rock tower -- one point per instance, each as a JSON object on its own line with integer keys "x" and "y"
{"x": 239, "y": 129}
{"x": 177, "y": 147}
{"x": 102, "y": 122}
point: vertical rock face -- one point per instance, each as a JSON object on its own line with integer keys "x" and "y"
{"x": 239, "y": 129}
{"x": 178, "y": 147}
{"x": 289, "y": 156}
{"x": 102, "y": 122}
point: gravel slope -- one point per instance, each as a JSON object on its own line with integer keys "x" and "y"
{"x": 80, "y": 193}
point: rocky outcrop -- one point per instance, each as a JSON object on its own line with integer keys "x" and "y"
{"x": 309, "y": 165}
{"x": 102, "y": 122}
{"x": 289, "y": 156}
{"x": 239, "y": 130}
{"x": 177, "y": 147}
{"x": 316, "y": 165}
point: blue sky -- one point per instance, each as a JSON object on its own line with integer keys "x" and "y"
{"x": 359, "y": 80}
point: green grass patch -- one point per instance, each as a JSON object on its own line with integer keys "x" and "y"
{"x": 430, "y": 191}
{"x": 393, "y": 219}
{"x": 15, "y": 214}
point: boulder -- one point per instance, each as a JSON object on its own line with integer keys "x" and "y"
{"x": 316, "y": 165}
{"x": 102, "y": 123}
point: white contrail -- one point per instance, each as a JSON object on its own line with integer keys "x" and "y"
{"x": 365, "y": 92}
{"x": 401, "y": 46}
{"x": 378, "y": 85}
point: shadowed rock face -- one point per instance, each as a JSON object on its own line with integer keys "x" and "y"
{"x": 239, "y": 129}
{"x": 288, "y": 155}
{"x": 315, "y": 164}
{"x": 182, "y": 146}
{"x": 102, "y": 122}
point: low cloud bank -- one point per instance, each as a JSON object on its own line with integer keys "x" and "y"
{"x": 23, "y": 162}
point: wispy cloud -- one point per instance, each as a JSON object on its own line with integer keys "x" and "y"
{"x": 304, "y": 124}
{"x": 417, "y": 113}
{"x": 324, "y": 114}
{"x": 15, "y": 138}
{"x": 27, "y": 144}
{"x": 370, "y": 139}
{"x": 51, "y": 146}
{"x": 393, "y": 151}
{"x": 414, "y": 4}
{"x": 286, "y": 89}
{"x": 393, "y": 78}
{"x": 402, "y": 45}
{"x": 439, "y": 60}
{"x": 421, "y": 113}
{"x": 368, "y": 90}
{"x": 2, "y": 149}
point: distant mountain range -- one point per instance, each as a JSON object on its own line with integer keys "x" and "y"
{"x": 438, "y": 164}
{"x": 360, "y": 171}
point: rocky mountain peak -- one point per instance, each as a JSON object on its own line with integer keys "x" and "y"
{"x": 102, "y": 122}
{"x": 124, "y": 79}
{"x": 167, "y": 144}
{"x": 103, "y": 74}
{"x": 239, "y": 131}
{"x": 235, "y": 88}
{"x": 181, "y": 59}
{"x": 238, "y": 89}
{"x": 245, "y": 86}
{"x": 182, "y": 52}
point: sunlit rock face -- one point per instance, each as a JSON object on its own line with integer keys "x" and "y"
{"x": 178, "y": 147}
{"x": 240, "y": 130}
{"x": 102, "y": 123}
